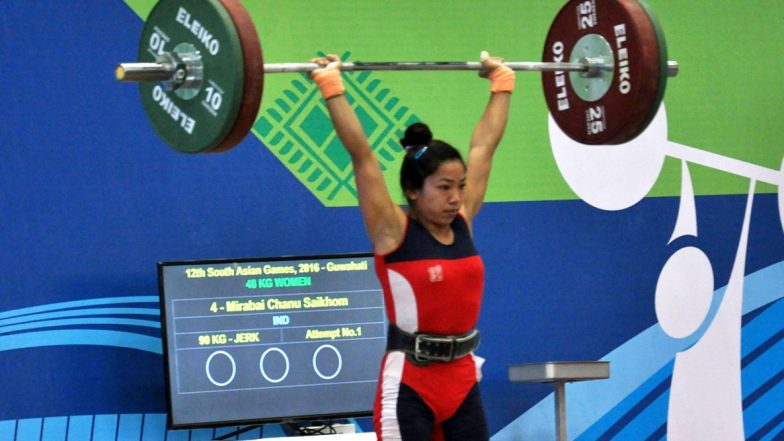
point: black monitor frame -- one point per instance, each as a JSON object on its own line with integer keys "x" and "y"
{"x": 366, "y": 278}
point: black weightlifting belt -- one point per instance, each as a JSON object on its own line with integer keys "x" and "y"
{"x": 427, "y": 348}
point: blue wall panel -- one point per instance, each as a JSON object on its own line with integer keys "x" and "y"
{"x": 90, "y": 200}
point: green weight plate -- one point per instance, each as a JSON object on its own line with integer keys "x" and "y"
{"x": 204, "y": 121}
{"x": 253, "y": 67}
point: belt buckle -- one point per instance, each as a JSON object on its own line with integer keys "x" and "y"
{"x": 423, "y": 355}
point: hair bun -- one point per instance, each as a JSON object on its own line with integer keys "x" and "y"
{"x": 417, "y": 134}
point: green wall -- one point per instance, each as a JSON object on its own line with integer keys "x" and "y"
{"x": 726, "y": 99}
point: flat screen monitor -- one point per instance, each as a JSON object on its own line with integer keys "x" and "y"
{"x": 284, "y": 339}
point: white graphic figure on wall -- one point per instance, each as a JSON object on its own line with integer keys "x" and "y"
{"x": 705, "y": 393}
{"x": 705, "y": 400}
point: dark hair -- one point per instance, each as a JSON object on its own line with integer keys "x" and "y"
{"x": 423, "y": 157}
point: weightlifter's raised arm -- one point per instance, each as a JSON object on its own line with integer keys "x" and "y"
{"x": 384, "y": 220}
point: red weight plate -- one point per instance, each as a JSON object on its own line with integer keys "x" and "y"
{"x": 638, "y": 78}
{"x": 254, "y": 75}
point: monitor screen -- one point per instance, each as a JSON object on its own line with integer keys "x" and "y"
{"x": 271, "y": 339}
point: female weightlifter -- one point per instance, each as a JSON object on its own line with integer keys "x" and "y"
{"x": 431, "y": 274}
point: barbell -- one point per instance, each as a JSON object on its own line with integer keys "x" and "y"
{"x": 201, "y": 71}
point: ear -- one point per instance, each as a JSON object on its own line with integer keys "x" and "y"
{"x": 409, "y": 191}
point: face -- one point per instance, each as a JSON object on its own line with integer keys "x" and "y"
{"x": 441, "y": 197}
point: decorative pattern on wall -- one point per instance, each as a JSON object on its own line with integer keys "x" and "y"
{"x": 297, "y": 129}
{"x": 103, "y": 322}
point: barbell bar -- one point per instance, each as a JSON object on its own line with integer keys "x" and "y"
{"x": 137, "y": 72}
{"x": 159, "y": 71}
{"x": 604, "y": 71}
